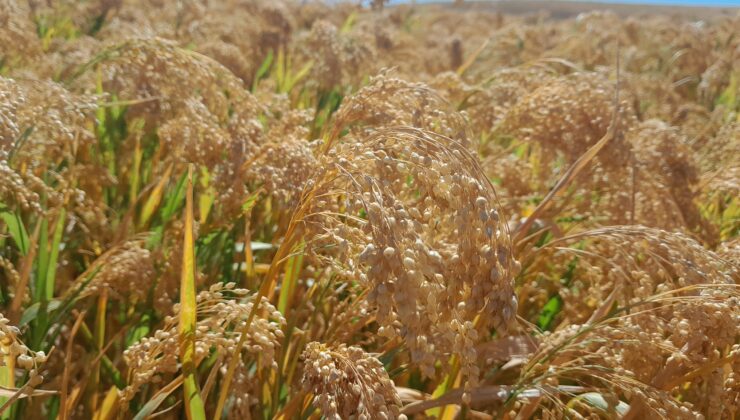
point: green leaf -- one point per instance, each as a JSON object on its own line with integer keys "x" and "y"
{"x": 42, "y": 264}
{"x": 174, "y": 199}
{"x": 292, "y": 80}
{"x": 32, "y": 312}
{"x": 729, "y": 97}
{"x": 251, "y": 201}
{"x": 262, "y": 71}
{"x": 551, "y": 309}
{"x": 349, "y": 22}
{"x": 280, "y": 68}
{"x": 16, "y": 228}
{"x": 158, "y": 399}
{"x": 290, "y": 278}
{"x": 58, "y": 315}
{"x": 141, "y": 330}
{"x": 54, "y": 255}
{"x": 20, "y": 141}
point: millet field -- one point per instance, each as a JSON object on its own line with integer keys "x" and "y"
{"x": 284, "y": 209}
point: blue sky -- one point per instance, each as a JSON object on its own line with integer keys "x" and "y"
{"x": 732, "y": 3}
{"x": 713, "y": 3}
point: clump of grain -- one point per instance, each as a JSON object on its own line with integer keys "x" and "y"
{"x": 348, "y": 382}
{"x": 666, "y": 172}
{"x": 51, "y": 122}
{"x": 337, "y": 59}
{"x": 237, "y": 34}
{"x": 18, "y": 39}
{"x": 126, "y": 272}
{"x": 678, "y": 307}
{"x": 14, "y": 353}
{"x": 488, "y": 102}
{"x": 285, "y": 161}
{"x": 14, "y": 191}
{"x": 719, "y": 163}
{"x": 222, "y": 313}
{"x": 569, "y": 115}
{"x": 189, "y": 88}
{"x": 423, "y": 232}
{"x": 389, "y": 101}
{"x": 41, "y": 118}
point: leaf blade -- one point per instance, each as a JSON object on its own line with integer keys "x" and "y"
{"x": 194, "y": 407}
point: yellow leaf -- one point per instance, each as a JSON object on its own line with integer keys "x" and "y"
{"x": 154, "y": 198}
{"x": 108, "y": 409}
{"x": 194, "y": 408}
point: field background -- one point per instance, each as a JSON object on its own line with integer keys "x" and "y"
{"x": 275, "y": 209}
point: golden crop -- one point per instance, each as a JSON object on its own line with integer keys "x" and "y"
{"x": 284, "y": 209}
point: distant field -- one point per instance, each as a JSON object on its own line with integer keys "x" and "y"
{"x": 566, "y": 9}
{"x": 695, "y": 3}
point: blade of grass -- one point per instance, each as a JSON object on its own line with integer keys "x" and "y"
{"x": 16, "y": 228}
{"x": 469, "y": 62}
{"x": 67, "y": 365}
{"x": 290, "y": 278}
{"x": 158, "y": 399}
{"x": 451, "y": 381}
{"x": 73, "y": 397}
{"x": 25, "y": 276}
{"x": 194, "y": 407}
{"x": 348, "y": 23}
{"x": 207, "y": 195}
{"x": 7, "y": 375}
{"x": 154, "y": 198}
{"x": 266, "y": 290}
{"x": 14, "y": 395}
{"x": 99, "y": 339}
{"x": 211, "y": 379}
{"x": 292, "y": 80}
{"x": 47, "y": 276}
{"x": 248, "y": 254}
{"x": 174, "y": 200}
{"x": 110, "y": 369}
{"x": 108, "y": 408}
{"x": 280, "y": 68}
{"x": 485, "y": 395}
{"x": 262, "y": 71}
{"x": 133, "y": 192}
{"x": 43, "y": 261}
{"x": 54, "y": 254}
